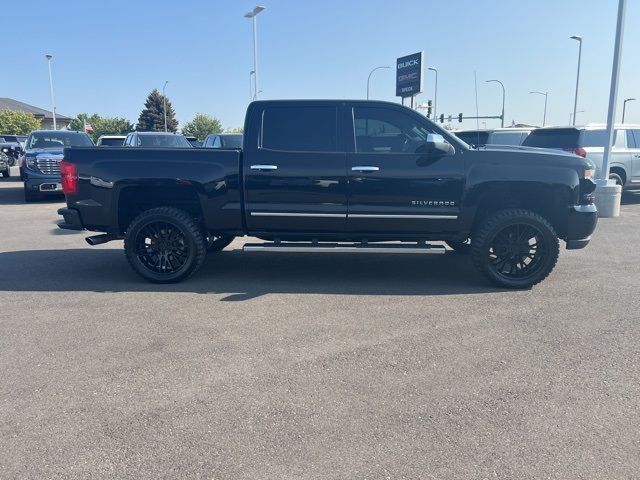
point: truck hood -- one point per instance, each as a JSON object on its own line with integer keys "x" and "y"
{"x": 34, "y": 152}
{"x": 533, "y": 154}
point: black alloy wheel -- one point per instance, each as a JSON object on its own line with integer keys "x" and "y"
{"x": 161, "y": 247}
{"x": 165, "y": 245}
{"x": 516, "y": 248}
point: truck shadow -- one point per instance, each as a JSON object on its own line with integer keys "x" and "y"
{"x": 243, "y": 276}
{"x": 630, "y": 198}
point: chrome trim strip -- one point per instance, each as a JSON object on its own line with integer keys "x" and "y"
{"x": 264, "y": 167}
{"x": 434, "y": 250}
{"x": 291, "y": 214}
{"x": 428, "y": 217}
{"x": 356, "y": 215}
{"x": 365, "y": 169}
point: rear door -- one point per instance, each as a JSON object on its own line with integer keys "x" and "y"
{"x": 395, "y": 186}
{"x": 295, "y": 174}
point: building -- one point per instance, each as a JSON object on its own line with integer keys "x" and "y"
{"x": 44, "y": 116}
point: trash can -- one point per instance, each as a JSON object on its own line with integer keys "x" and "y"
{"x": 608, "y": 196}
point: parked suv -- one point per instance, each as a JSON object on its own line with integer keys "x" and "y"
{"x": 156, "y": 139}
{"x": 588, "y": 141}
{"x": 11, "y": 145}
{"x": 40, "y": 164}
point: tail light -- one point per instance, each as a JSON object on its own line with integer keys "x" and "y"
{"x": 581, "y": 152}
{"x": 69, "y": 176}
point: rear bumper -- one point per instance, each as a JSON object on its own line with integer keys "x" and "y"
{"x": 581, "y": 223}
{"x": 71, "y": 219}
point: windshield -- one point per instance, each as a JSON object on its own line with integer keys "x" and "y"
{"x": 167, "y": 141}
{"x": 553, "y": 138}
{"x": 111, "y": 142}
{"x": 231, "y": 141}
{"x": 58, "y": 140}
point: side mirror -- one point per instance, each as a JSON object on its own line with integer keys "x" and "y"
{"x": 437, "y": 144}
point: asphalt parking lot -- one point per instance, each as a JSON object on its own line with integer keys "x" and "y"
{"x": 314, "y": 366}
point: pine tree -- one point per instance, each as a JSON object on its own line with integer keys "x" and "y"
{"x": 152, "y": 116}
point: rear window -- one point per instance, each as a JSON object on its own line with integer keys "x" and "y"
{"x": 505, "y": 138}
{"x": 112, "y": 142}
{"x": 598, "y": 138}
{"x": 473, "y": 138}
{"x": 163, "y": 141}
{"x": 300, "y": 129}
{"x": 553, "y": 138}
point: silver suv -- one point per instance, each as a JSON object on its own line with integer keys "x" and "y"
{"x": 588, "y": 141}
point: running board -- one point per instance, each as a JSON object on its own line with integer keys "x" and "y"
{"x": 309, "y": 247}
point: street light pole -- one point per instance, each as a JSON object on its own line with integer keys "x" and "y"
{"x": 544, "y": 117}
{"x": 252, "y": 15}
{"x": 369, "y": 77}
{"x": 624, "y": 106}
{"x": 575, "y": 102}
{"x": 571, "y": 115}
{"x": 503, "y": 95}
{"x": 164, "y": 104}
{"x": 53, "y": 102}
{"x": 435, "y": 93}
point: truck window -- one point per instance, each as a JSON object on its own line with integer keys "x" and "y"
{"x": 300, "y": 129}
{"x": 383, "y": 130}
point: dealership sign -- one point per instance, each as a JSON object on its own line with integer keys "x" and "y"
{"x": 409, "y": 75}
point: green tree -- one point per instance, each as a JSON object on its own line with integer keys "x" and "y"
{"x": 201, "y": 126}
{"x": 152, "y": 116}
{"x": 102, "y": 125}
{"x": 17, "y": 123}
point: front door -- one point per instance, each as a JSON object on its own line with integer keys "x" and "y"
{"x": 295, "y": 178}
{"x": 395, "y": 184}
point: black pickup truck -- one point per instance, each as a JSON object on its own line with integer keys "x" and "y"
{"x": 334, "y": 176}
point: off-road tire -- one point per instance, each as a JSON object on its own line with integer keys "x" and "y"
{"x": 189, "y": 239}
{"x": 483, "y": 249}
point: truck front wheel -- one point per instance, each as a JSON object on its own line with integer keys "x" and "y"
{"x": 165, "y": 245}
{"x": 515, "y": 248}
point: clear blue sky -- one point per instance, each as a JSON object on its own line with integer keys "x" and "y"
{"x": 108, "y": 56}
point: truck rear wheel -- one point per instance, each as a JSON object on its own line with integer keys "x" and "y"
{"x": 515, "y": 248}
{"x": 165, "y": 245}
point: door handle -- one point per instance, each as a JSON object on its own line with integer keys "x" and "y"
{"x": 365, "y": 169}
{"x": 264, "y": 167}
